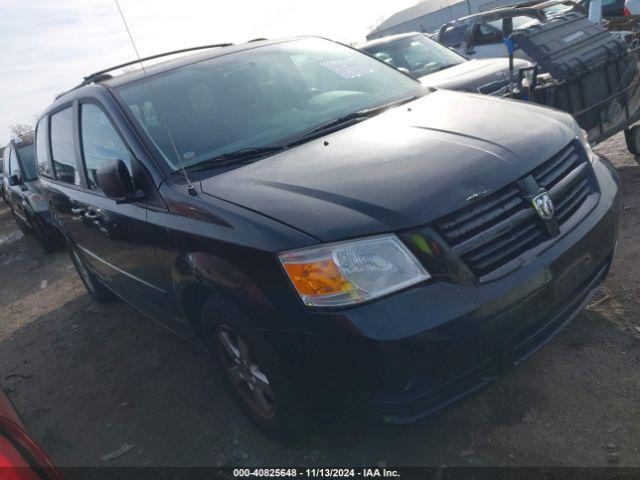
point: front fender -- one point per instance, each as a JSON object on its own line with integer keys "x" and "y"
{"x": 198, "y": 275}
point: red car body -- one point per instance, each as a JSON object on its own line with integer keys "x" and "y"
{"x": 21, "y": 458}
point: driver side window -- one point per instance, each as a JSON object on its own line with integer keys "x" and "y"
{"x": 100, "y": 143}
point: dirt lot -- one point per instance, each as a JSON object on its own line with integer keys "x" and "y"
{"x": 89, "y": 379}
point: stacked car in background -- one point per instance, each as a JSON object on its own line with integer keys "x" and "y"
{"x": 21, "y": 190}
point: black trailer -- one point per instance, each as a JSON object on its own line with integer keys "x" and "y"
{"x": 584, "y": 70}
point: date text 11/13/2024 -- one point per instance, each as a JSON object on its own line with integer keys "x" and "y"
{"x": 315, "y": 472}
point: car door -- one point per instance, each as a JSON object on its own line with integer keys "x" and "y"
{"x": 112, "y": 239}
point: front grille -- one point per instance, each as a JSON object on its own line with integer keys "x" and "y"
{"x": 502, "y": 226}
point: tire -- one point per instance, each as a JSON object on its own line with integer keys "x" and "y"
{"x": 47, "y": 239}
{"x": 25, "y": 229}
{"x": 96, "y": 289}
{"x": 632, "y": 136}
{"x": 259, "y": 364}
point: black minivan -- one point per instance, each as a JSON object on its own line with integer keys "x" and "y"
{"x": 328, "y": 226}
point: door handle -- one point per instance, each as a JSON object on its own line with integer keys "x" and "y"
{"x": 77, "y": 210}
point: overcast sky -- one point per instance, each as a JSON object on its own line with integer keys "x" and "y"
{"x": 47, "y": 46}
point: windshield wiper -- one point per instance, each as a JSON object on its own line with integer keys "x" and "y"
{"x": 351, "y": 117}
{"x": 237, "y": 156}
{"x": 252, "y": 153}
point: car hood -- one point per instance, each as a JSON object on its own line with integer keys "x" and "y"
{"x": 473, "y": 74}
{"x": 402, "y": 168}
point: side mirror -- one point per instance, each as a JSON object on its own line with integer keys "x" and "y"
{"x": 116, "y": 182}
{"x": 13, "y": 180}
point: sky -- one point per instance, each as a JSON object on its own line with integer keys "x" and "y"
{"x": 47, "y": 46}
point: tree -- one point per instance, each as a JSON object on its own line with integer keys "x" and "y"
{"x": 19, "y": 129}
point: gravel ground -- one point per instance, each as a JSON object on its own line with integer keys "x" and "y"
{"x": 90, "y": 380}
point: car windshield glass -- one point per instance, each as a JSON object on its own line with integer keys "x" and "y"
{"x": 418, "y": 54}
{"x": 27, "y": 156}
{"x": 258, "y": 97}
{"x": 557, "y": 9}
{"x": 521, "y": 22}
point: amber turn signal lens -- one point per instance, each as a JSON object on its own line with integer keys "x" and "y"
{"x": 318, "y": 278}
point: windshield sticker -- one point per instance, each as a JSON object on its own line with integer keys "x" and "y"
{"x": 347, "y": 68}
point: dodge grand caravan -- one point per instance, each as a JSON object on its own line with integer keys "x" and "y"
{"x": 326, "y": 225}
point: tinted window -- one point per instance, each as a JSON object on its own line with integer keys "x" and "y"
{"x": 27, "y": 156}
{"x": 42, "y": 150}
{"x": 489, "y": 33}
{"x": 420, "y": 55}
{"x": 62, "y": 148}
{"x": 259, "y": 97}
{"x": 100, "y": 143}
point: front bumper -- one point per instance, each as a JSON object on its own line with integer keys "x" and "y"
{"x": 414, "y": 352}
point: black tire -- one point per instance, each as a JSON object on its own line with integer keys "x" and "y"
{"x": 97, "y": 290}
{"x": 47, "y": 240}
{"x": 25, "y": 229}
{"x": 632, "y": 137}
{"x": 287, "y": 420}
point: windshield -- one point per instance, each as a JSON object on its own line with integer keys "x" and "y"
{"x": 27, "y": 156}
{"x": 260, "y": 97}
{"x": 522, "y": 22}
{"x": 419, "y": 55}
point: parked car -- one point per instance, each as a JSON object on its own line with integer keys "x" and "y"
{"x": 438, "y": 66}
{"x": 23, "y": 194}
{"x": 331, "y": 228}
{"x": 481, "y": 35}
{"x": 630, "y": 7}
{"x": 21, "y": 458}
{"x": 2, "y": 175}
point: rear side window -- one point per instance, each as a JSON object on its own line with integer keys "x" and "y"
{"x": 5, "y": 160}
{"x": 42, "y": 151}
{"x": 27, "y": 155}
{"x": 101, "y": 143}
{"x": 62, "y": 151}
{"x": 14, "y": 167}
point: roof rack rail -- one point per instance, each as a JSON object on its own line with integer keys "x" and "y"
{"x": 90, "y": 78}
{"x": 103, "y": 75}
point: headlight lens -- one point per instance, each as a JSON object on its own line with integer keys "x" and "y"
{"x": 351, "y": 272}
{"x": 583, "y": 137}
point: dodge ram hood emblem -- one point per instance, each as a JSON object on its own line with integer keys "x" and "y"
{"x": 544, "y": 205}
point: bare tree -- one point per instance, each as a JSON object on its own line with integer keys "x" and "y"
{"x": 19, "y": 129}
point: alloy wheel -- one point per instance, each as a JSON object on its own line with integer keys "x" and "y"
{"x": 246, "y": 375}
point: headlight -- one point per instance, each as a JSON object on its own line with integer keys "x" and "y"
{"x": 350, "y": 272}
{"x": 583, "y": 137}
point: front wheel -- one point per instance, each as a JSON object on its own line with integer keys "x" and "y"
{"x": 252, "y": 370}
{"x": 97, "y": 290}
{"x": 48, "y": 239}
{"x": 24, "y": 228}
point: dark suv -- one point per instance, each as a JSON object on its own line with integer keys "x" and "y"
{"x": 22, "y": 193}
{"x": 326, "y": 224}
